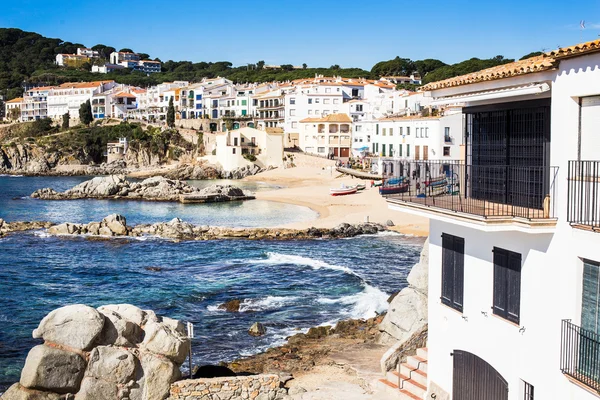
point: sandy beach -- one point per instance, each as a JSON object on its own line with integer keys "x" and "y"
{"x": 309, "y": 186}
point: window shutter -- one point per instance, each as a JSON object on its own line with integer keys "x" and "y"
{"x": 590, "y": 310}
{"x": 500, "y": 282}
{"x": 513, "y": 273}
{"x": 459, "y": 272}
{"x": 447, "y": 269}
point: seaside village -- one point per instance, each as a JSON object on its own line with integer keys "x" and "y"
{"x": 503, "y": 163}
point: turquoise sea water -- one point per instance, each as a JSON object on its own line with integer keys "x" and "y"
{"x": 285, "y": 285}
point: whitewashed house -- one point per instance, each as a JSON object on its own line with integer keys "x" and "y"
{"x": 248, "y": 146}
{"x": 327, "y": 136}
{"x": 69, "y": 96}
{"x": 11, "y": 105}
{"x": 514, "y": 251}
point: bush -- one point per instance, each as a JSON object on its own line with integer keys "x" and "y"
{"x": 249, "y": 157}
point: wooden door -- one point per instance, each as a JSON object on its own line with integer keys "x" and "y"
{"x": 425, "y": 152}
{"x": 475, "y": 379}
{"x": 417, "y": 152}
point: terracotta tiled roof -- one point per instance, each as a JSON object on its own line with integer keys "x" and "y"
{"x": 528, "y": 66}
{"x": 408, "y": 118}
{"x": 124, "y": 94}
{"x": 330, "y": 118}
{"x": 17, "y": 100}
{"x": 540, "y": 63}
{"x": 572, "y": 51}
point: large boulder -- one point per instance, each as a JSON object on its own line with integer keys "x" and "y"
{"x": 231, "y": 305}
{"x": 51, "y": 369}
{"x": 167, "y": 340}
{"x": 257, "y": 329}
{"x": 127, "y": 311}
{"x": 119, "y": 331}
{"x": 97, "y": 389}
{"x": 159, "y": 373}
{"x": 116, "y": 223}
{"x": 76, "y": 326}
{"x": 111, "y": 364}
{"x": 18, "y": 392}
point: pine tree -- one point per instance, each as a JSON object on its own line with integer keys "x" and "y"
{"x": 171, "y": 114}
{"x": 65, "y": 121}
{"x": 85, "y": 113}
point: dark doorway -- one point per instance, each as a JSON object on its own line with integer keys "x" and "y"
{"x": 475, "y": 379}
{"x": 508, "y": 152}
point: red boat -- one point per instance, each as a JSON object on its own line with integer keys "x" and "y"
{"x": 393, "y": 189}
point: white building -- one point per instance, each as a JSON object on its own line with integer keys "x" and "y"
{"x": 235, "y": 148}
{"x": 68, "y": 97}
{"x": 35, "y": 103}
{"x": 82, "y": 51}
{"x": 11, "y": 105}
{"x": 106, "y": 68}
{"x": 514, "y": 251}
{"x": 328, "y": 136}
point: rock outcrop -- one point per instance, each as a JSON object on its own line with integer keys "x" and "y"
{"x": 115, "y": 225}
{"x": 18, "y": 226}
{"x": 257, "y": 329}
{"x": 113, "y": 352}
{"x": 407, "y": 312}
{"x": 156, "y": 188}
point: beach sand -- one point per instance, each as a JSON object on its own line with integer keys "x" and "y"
{"x": 309, "y": 187}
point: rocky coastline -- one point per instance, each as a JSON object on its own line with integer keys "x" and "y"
{"x": 158, "y": 188}
{"x": 116, "y": 226}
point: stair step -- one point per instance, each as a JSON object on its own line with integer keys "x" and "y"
{"x": 413, "y": 387}
{"x": 414, "y": 374}
{"x": 406, "y": 395}
{"x": 417, "y": 363}
{"x": 422, "y": 352}
{"x": 388, "y": 387}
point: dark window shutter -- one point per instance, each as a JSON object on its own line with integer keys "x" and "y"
{"x": 500, "y": 282}
{"x": 513, "y": 280}
{"x": 459, "y": 272}
{"x": 447, "y": 269}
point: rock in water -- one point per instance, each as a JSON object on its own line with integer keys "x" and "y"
{"x": 51, "y": 369}
{"x": 76, "y": 326}
{"x": 257, "y": 329}
{"x": 116, "y": 223}
{"x": 231, "y": 305}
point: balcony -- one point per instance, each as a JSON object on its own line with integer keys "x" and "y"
{"x": 486, "y": 195}
{"x": 583, "y": 195}
{"x": 580, "y": 355}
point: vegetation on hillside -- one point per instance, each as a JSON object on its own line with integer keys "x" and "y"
{"x": 29, "y": 57}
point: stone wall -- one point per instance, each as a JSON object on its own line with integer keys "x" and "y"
{"x": 253, "y": 387}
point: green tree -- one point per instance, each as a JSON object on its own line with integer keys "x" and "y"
{"x": 304, "y": 66}
{"x": 104, "y": 51}
{"x": 532, "y": 54}
{"x": 65, "y": 121}
{"x": 407, "y": 86}
{"x": 287, "y": 67}
{"x": 260, "y": 65}
{"x": 171, "y": 114}
{"x": 125, "y": 50}
{"x": 335, "y": 67}
{"x": 144, "y": 56}
{"x": 85, "y": 113}
{"x": 14, "y": 113}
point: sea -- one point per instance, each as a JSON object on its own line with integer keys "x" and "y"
{"x": 288, "y": 286}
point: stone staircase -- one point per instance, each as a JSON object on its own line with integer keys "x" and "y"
{"x": 410, "y": 381}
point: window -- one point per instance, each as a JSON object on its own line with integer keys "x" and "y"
{"x": 383, "y": 149}
{"x": 590, "y": 303}
{"x": 233, "y": 150}
{"x": 317, "y": 100}
{"x": 391, "y": 131}
{"x": 336, "y": 111}
{"x": 309, "y": 112}
{"x": 292, "y": 113}
{"x": 453, "y": 271}
{"x": 292, "y": 100}
{"x": 244, "y": 102}
{"x": 325, "y": 101}
{"x": 507, "y": 284}
{"x": 426, "y": 132}
{"x": 327, "y": 90}
{"x": 294, "y": 125}
{"x": 400, "y": 131}
{"x": 358, "y": 128}
{"x": 527, "y": 391}
{"x": 325, "y": 112}
{"x": 391, "y": 151}
{"x": 309, "y": 100}
{"x": 383, "y": 132}
{"x": 320, "y": 149}
{"x": 408, "y": 130}
{"x": 377, "y": 129}
{"x": 336, "y": 101}
{"x": 446, "y": 151}
{"x": 408, "y": 150}
{"x": 359, "y": 107}
{"x": 399, "y": 150}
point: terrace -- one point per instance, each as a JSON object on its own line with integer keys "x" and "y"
{"x": 499, "y": 195}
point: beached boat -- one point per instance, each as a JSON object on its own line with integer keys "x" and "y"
{"x": 343, "y": 191}
{"x": 361, "y": 186}
{"x": 393, "y": 189}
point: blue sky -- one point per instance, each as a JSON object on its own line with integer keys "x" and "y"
{"x": 316, "y": 32}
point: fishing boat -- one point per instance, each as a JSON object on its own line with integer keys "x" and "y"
{"x": 344, "y": 190}
{"x": 393, "y": 189}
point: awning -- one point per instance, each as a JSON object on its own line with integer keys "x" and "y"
{"x": 533, "y": 89}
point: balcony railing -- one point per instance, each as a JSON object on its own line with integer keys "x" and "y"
{"x": 483, "y": 191}
{"x": 584, "y": 194}
{"x": 580, "y": 355}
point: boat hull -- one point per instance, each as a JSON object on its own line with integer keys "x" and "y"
{"x": 342, "y": 192}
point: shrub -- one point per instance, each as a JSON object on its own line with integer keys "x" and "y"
{"x": 249, "y": 157}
